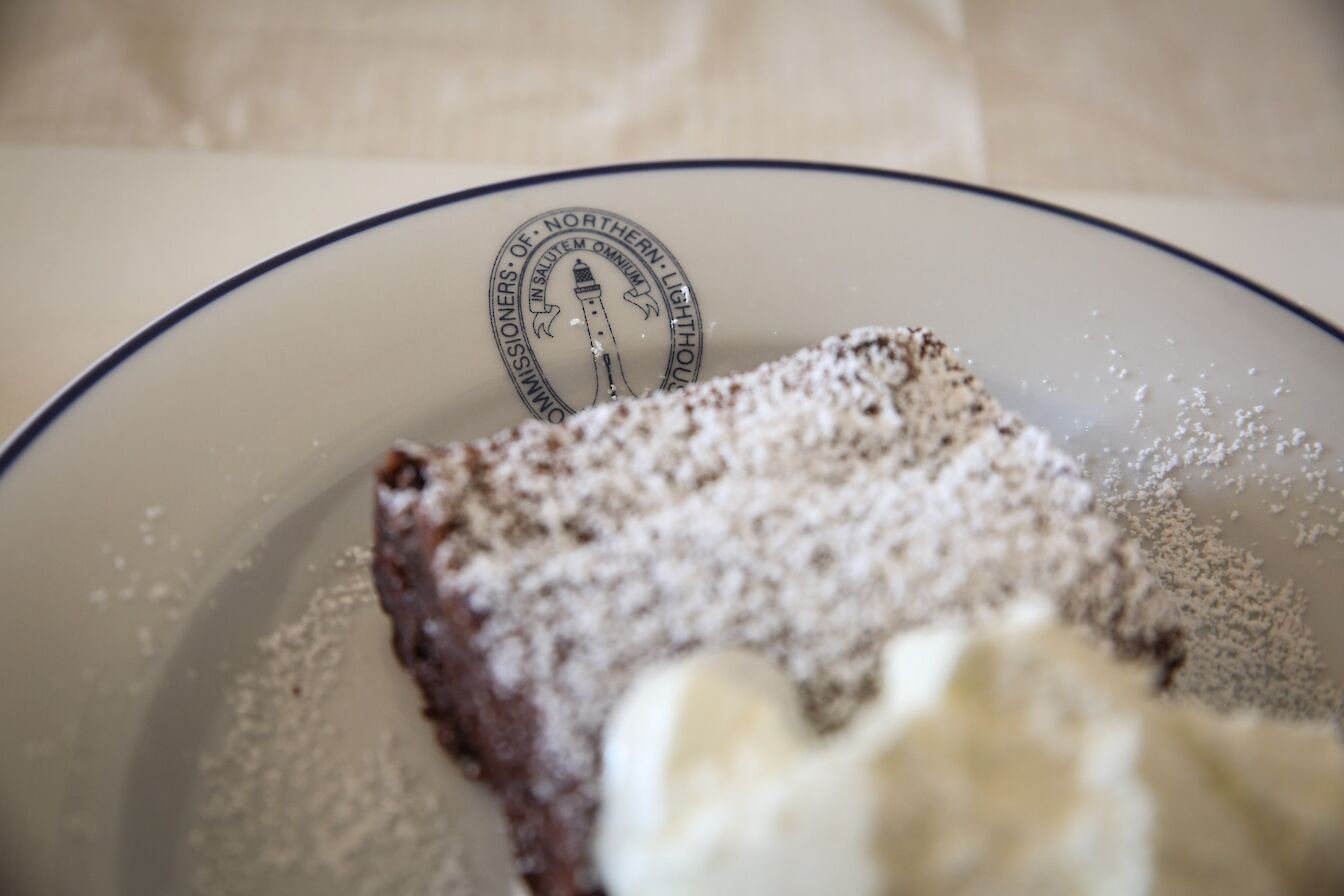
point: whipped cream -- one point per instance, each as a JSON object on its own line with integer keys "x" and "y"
{"x": 1015, "y": 757}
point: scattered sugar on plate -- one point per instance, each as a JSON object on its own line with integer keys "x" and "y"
{"x": 283, "y": 797}
{"x": 1248, "y": 641}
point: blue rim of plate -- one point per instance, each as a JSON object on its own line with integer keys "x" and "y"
{"x": 28, "y": 433}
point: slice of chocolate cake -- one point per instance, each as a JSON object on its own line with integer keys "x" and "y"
{"x": 807, "y": 510}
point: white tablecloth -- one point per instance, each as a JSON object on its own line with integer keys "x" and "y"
{"x": 1239, "y": 98}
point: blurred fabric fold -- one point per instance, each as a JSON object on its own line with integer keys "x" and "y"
{"x": 1229, "y": 97}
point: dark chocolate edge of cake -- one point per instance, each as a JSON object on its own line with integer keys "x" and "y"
{"x": 1163, "y": 648}
{"x": 459, "y": 699}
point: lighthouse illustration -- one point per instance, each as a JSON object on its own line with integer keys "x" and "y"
{"x": 608, "y": 374}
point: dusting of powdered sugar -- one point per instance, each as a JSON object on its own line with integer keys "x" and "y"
{"x": 1247, "y": 639}
{"x": 283, "y": 801}
{"x": 871, "y": 484}
{"x": 157, "y": 580}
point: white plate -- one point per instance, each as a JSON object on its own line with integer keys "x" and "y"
{"x": 214, "y": 468}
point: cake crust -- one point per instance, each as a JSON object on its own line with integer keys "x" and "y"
{"x": 807, "y": 510}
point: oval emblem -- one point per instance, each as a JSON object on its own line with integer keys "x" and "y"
{"x": 588, "y": 306}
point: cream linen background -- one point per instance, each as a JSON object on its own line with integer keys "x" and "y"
{"x": 536, "y": 83}
{"x": 1233, "y": 98}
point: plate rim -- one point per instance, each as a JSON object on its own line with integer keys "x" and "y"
{"x": 30, "y": 430}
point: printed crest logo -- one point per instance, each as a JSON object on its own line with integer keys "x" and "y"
{"x": 588, "y": 306}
